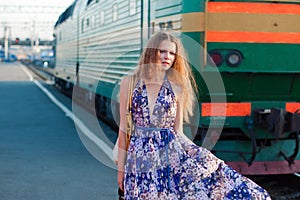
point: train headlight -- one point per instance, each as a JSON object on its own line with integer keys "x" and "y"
{"x": 45, "y": 64}
{"x": 234, "y": 58}
{"x": 216, "y": 57}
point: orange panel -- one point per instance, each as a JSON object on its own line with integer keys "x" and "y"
{"x": 292, "y": 106}
{"x": 253, "y": 37}
{"x": 226, "y": 109}
{"x": 264, "y": 8}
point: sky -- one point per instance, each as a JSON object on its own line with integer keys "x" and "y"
{"x": 30, "y": 18}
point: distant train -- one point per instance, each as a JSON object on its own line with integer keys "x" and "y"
{"x": 252, "y": 46}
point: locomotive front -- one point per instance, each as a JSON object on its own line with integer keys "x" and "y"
{"x": 254, "y": 47}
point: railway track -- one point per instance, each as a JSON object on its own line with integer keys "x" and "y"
{"x": 286, "y": 186}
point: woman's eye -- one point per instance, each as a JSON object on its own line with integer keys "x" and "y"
{"x": 165, "y": 51}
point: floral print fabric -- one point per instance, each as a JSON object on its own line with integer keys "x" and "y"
{"x": 163, "y": 164}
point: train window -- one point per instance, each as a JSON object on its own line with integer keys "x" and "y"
{"x": 132, "y": 7}
{"x": 101, "y": 18}
{"x": 89, "y": 2}
{"x": 115, "y": 12}
{"x": 87, "y": 22}
{"x": 82, "y": 26}
{"x": 60, "y": 35}
{"x": 93, "y": 21}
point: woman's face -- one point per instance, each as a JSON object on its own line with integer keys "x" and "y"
{"x": 167, "y": 54}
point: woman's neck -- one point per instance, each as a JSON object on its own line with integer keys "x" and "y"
{"x": 158, "y": 76}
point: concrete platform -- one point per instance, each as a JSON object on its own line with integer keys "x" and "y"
{"x": 11, "y": 71}
{"x": 41, "y": 154}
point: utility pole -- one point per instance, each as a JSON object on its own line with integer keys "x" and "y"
{"x": 32, "y": 39}
{"x": 6, "y": 42}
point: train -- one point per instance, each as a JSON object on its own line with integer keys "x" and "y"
{"x": 244, "y": 54}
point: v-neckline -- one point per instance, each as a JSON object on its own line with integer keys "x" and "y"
{"x": 151, "y": 113}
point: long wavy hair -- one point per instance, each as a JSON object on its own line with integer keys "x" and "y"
{"x": 180, "y": 73}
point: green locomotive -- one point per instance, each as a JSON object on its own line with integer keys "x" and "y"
{"x": 244, "y": 55}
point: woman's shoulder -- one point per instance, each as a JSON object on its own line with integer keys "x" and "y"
{"x": 124, "y": 83}
{"x": 128, "y": 77}
{"x": 125, "y": 79}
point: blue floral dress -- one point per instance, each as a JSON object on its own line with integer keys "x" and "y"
{"x": 162, "y": 164}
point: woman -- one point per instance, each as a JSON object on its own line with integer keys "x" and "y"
{"x": 161, "y": 163}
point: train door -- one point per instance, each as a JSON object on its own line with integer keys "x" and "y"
{"x": 147, "y": 14}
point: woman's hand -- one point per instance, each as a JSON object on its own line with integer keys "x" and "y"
{"x": 121, "y": 179}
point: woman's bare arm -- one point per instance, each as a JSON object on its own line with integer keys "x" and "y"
{"x": 122, "y": 128}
